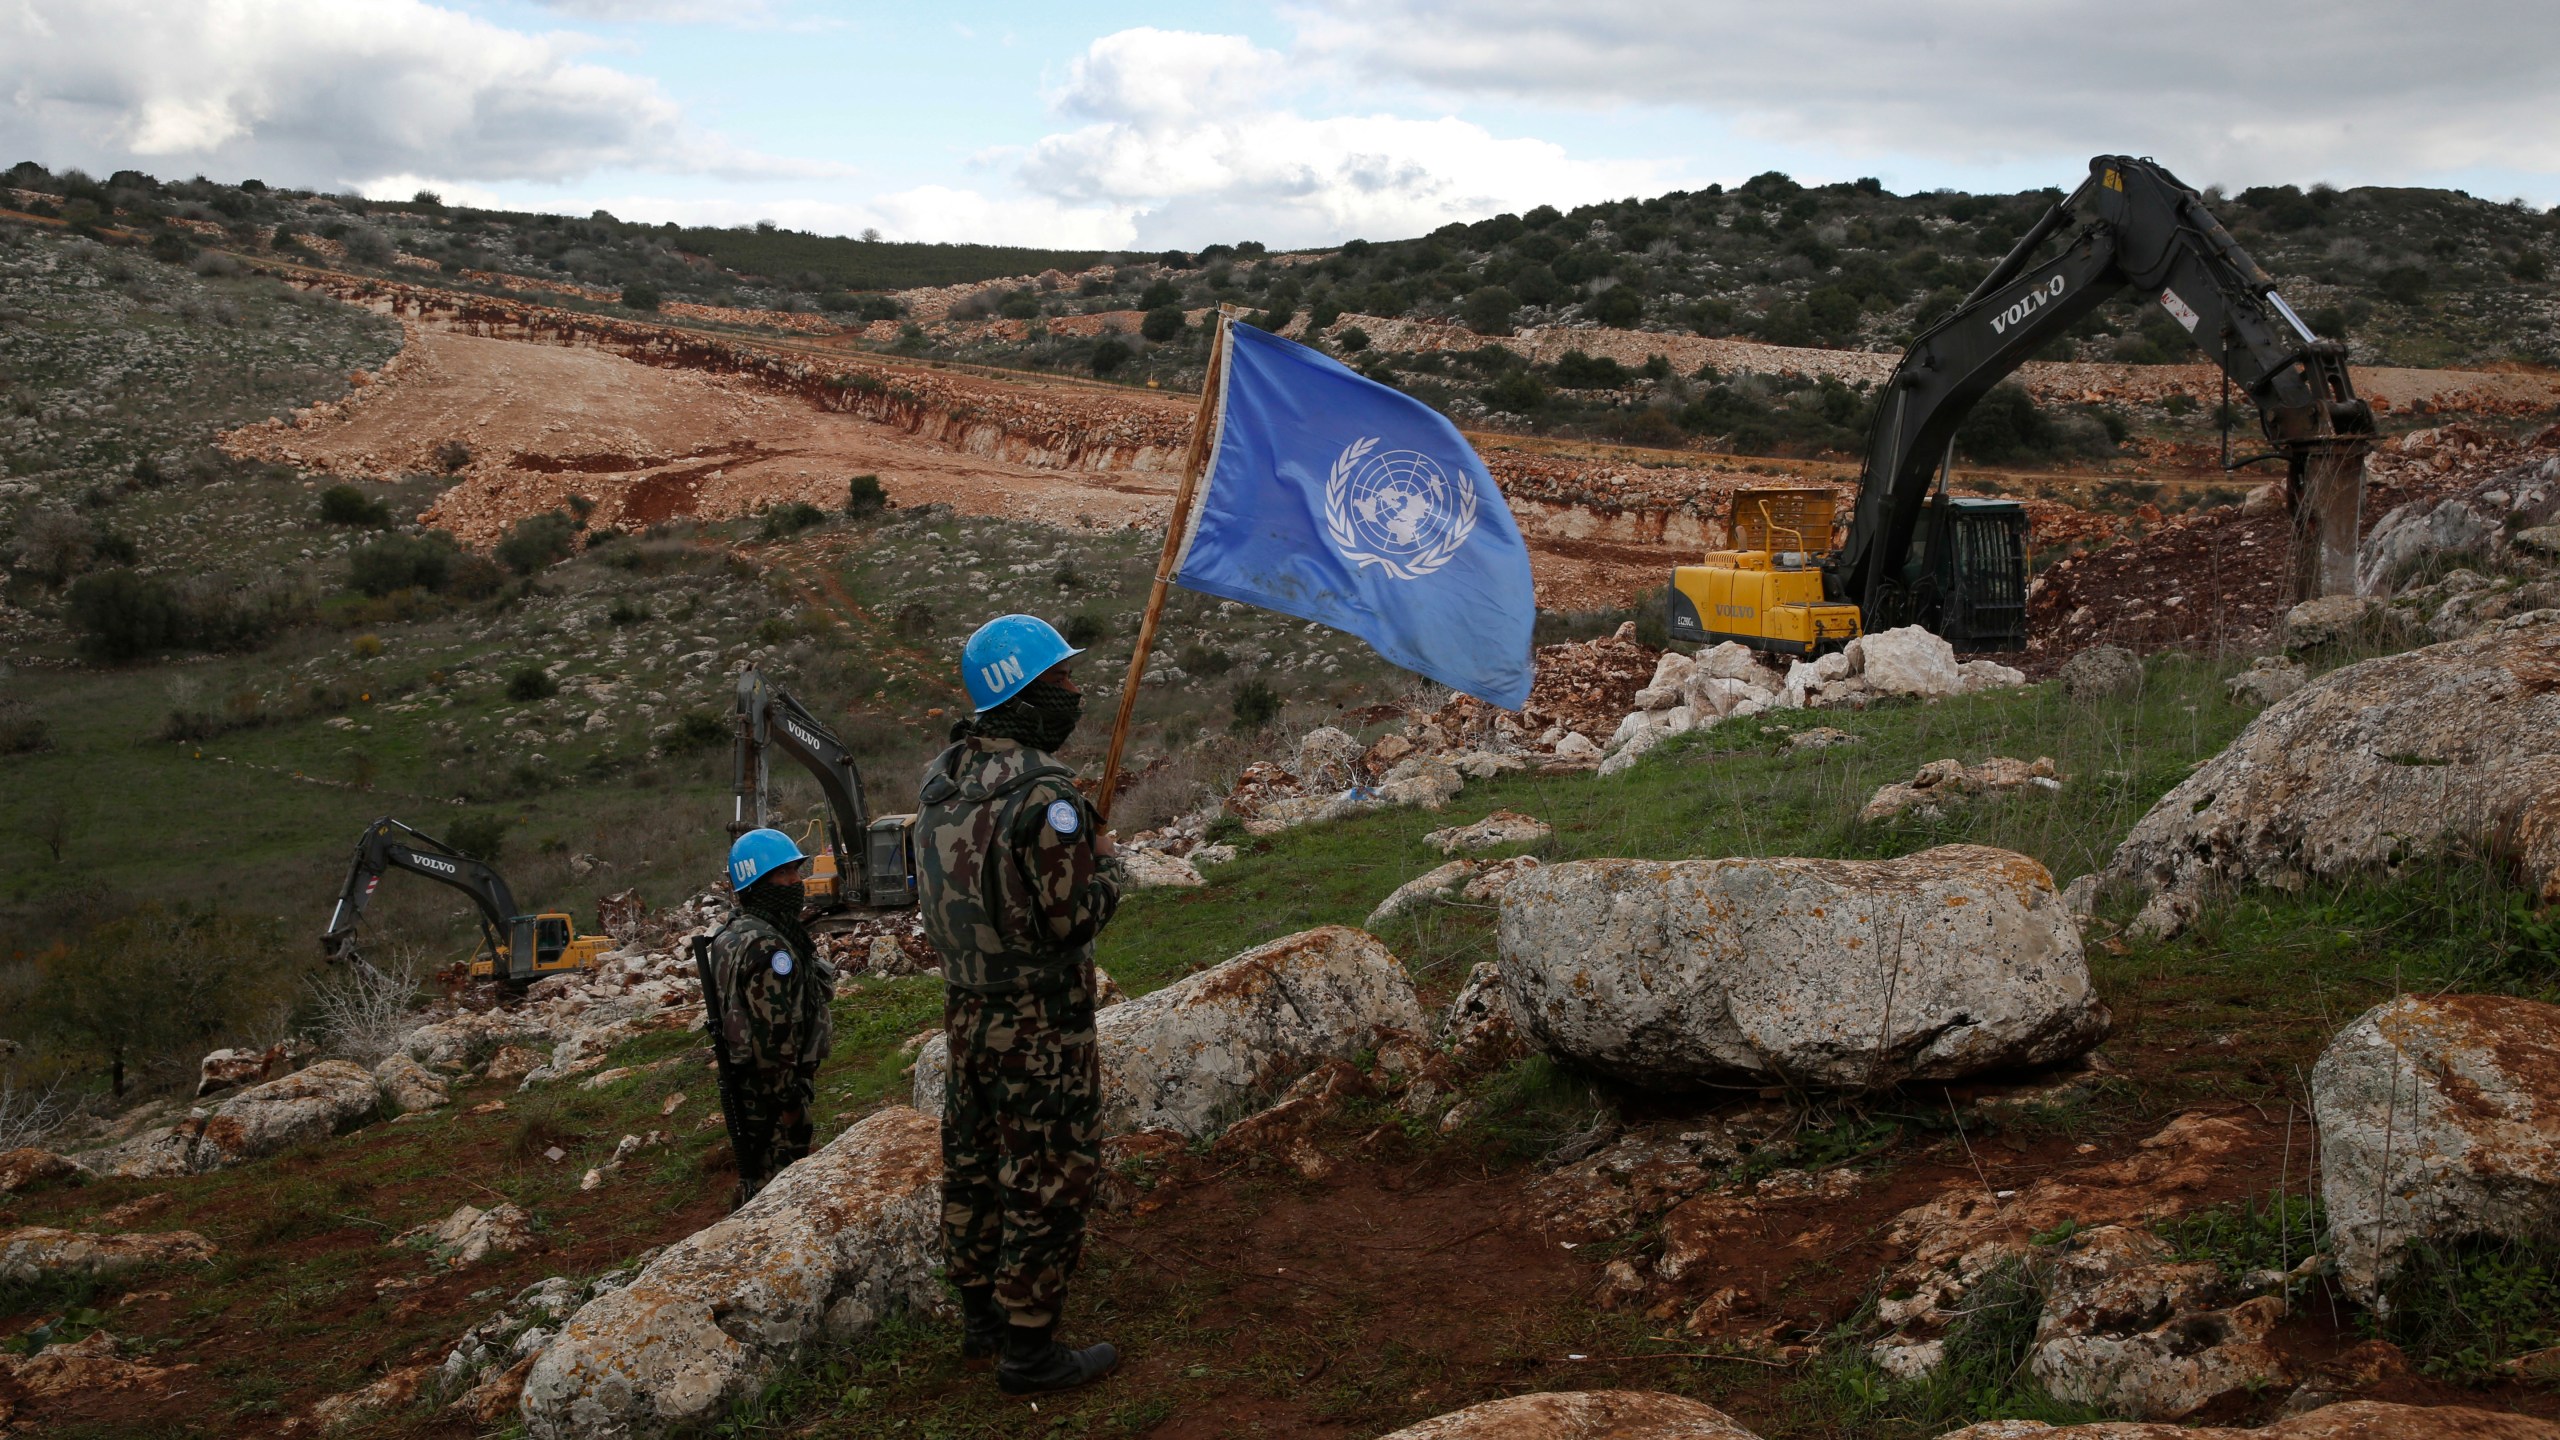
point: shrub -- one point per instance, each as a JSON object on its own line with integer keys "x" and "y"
{"x": 1199, "y": 659}
{"x": 640, "y": 297}
{"x": 347, "y": 505}
{"x": 1577, "y": 371}
{"x": 1256, "y": 704}
{"x": 1159, "y": 295}
{"x": 537, "y": 541}
{"x": 1352, "y": 340}
{"x": 393, "y": 563}
{"x": 22, "y": 731}
{"x": 2403, "y": 284}
{"x": 452, "y": 455}
{"x": 1083, "y": 631}
{"x": 1488, "y": 310}
{"x": 481, "y": 834}
{"x": 2006, "y": 425}
{"x": 1108, "y": 356}
{"x": 54, "y": 545}
{"x": 624, "y": 612}
{"x": 1617, "y": 305}
{"x": 1517, "y": 391}
{"x": 2530, "y": 267}
{"x": 863, "y": 497}
{"x": 126, "y": 615}
{"x": 698, "y": 730}
{"x": 366, "y": 646}
{"x": 1163, "y": 323}
{"x": 531, "y": 683}
{"x": 781, "y": 522}
{"x": 362, "y": 1012}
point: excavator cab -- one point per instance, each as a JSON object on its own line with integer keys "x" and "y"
{"x": 540, "y": 945}
{"x": 821, "y": 882}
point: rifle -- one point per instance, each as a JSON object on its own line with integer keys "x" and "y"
{"x": 732, "y": 1112}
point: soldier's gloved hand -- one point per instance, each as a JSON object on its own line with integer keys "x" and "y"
{"x": 1106, "y": 844}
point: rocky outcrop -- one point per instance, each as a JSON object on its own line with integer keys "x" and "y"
{"x": 1502, "y": 827}
{"x": 1581, "y": 1415}
{"x": 2101, "y": 672}
{"x": 1835, "y": 973}
{"x": 458, "y": 1041}
{"x": 31, "y": 1251}
{"x": 836, "y": 1243}
{"x": 2268, "y": 679}
{"x": 2128, "y": 1329}
{"x": 2371, "y": 766}
{"x": 2481, "y": 522}
{"x": 1211, "y": 1047}
{"x": 230, "y": 1069}
{"x": 311, "y": 1104}
{"x": 1942, "y": 784}
{"x": 87, "y": 1368}
{"x": 1954, "y": 1241}
{"x": 28, "y": 1167}
{"x": 470, "y": 1235}
{"x": 1149, "y": 870}
{"x": 408, "y": 1086}
{"x": 2355, "y": 1420}
{"x": 2439, "y": 1122}
{"x": 1478, "y": 1027}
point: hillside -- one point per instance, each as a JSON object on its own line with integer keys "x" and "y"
{"x": 1868, "y": 1048}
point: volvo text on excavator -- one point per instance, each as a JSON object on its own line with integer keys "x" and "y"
{"x": 1913, "y": 554}
{"x": 521, "y": 948}
{"x": 770, "y": 719}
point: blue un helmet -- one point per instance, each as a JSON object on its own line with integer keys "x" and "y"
{"x": 1008, "y": 653}
{"x": 759, "y": 853}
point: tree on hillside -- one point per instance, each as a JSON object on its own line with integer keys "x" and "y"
{"x": 155, "y": 988}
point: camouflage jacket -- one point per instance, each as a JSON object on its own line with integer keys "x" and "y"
{"x": 1008, "y": 884}
{"x": 773, "y": 1003}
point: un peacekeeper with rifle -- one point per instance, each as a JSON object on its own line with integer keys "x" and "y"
{"x": 1015, "y": 877}
{"x": 767, "y": 992}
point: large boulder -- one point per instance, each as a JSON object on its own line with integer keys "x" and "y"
{"x": 1581, "y": 1415}
{"x": 2128, "y": 1328}
{"x": 1210, "y": 1047}
{"x": 2370, "y": 766}
{"x": 458, "y": 1041}
{"x": 1836, "y": 973}
{"x": 836, "y": 1243}
{"x": 1908, "y": 661}
{"x": 307, "y": 1105}
{"x": 27, "y": 1167}
{"x": 2439, "y": 1122}
{"x": 408, "y": 1086}
{"x": 2355, "y": 1420}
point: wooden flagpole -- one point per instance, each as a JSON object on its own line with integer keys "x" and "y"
{"x": 1194, "y": 461}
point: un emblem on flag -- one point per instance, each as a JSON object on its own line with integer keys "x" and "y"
{"x": 1396, "y": 509}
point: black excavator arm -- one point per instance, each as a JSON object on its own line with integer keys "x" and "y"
{"x": 388, "y": 844}
{"x": 770, "y": 719}
{"x": 2144, "y": 231}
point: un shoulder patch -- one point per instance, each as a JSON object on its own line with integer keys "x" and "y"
{"x": 781, "y": 962}
{"x": 1063, "y": 817}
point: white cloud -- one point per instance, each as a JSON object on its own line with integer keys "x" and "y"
{"x": 329, "y": 93}
{"x": 1189, "y": 144}
{"x": 2350, "y": 91}
{"x": 726, "y": 12}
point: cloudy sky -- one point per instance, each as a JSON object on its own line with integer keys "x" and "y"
{"x": 1150, "y": 125}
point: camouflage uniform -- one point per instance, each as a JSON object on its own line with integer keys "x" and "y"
{"x": 1012, "y": 895}
{"x": 775, "y": 1030}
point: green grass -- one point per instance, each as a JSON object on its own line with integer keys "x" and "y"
{"x": 1984, "y": 1375}
{"x": 2461, "y": 1309}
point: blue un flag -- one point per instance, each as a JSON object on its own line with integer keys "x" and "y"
{"x": 1339, "y": 500}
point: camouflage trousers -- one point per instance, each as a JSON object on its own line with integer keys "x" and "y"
{"x": 772, "y": 1128}
{"x": 1021, "y": 1142}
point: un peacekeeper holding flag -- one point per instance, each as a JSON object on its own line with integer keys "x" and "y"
{"x": 1014, "y": 879}
{"x": 775, "y": 1028}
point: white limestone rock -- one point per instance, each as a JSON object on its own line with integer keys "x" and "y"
{"x": 310, "y": 1104}
{"x": 1908, "y": 661}
{"x": 1835, "y": 973}
{"x": 1581, "y": 1415}
{"x": 2439, "y": 1121}
{"x": 1211, "y": 1047}
{"x": 837, "y": 1243}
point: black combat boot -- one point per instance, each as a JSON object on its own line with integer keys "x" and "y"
{"x": 982, "y": 1325}
{"x": 1034, "y": 1361}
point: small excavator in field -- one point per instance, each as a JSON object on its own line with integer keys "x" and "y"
{"x": 520, "y": 948}
{"x": 769, "y": 719}
{"x": 1913, "y": 554}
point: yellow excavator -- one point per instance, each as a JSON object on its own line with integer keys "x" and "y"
{"x": 1915, "y": 555}
{"x": 520, "y": 949}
